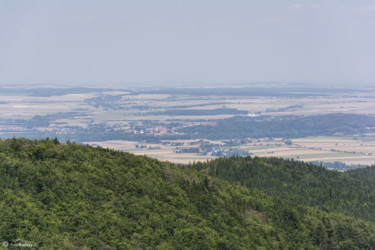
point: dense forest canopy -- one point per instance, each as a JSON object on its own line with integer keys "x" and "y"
{"x": 74, "y": 196}
{"x": 351, "y": 193}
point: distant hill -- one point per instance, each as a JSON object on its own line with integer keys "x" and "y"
{"x": 64, "y": 196}
{"x": 351, "y": 193}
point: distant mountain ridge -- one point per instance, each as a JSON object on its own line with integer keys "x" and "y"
{"x": 64, "y": 196}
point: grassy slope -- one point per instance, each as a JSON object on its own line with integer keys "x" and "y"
{"x": 72, "y": 196}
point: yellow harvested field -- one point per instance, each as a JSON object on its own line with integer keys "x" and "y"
{"x": 327, "y": 149}
{"x": 163, "y": 153}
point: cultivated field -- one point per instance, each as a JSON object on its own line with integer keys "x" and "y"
{"x": 85, "y": 110}
{"x": 327, "y": 149}
{"x": 158, "y": 151}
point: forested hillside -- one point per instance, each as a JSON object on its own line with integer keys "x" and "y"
{"x": 72, "y": 196}
{"x": 366, "y": 172}
{"x": 351, "y": 193}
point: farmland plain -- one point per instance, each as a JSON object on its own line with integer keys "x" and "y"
{"x": 183, "y": 125}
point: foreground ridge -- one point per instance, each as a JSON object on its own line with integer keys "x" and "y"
{"x": 75, "y": 196}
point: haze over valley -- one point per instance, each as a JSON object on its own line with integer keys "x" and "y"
{"x": 182, "y": 125}
{"x": 175, "y": 124}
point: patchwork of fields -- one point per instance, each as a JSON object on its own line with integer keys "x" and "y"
{"x": 356, "y": 151}
{"x": 193, "y": 124}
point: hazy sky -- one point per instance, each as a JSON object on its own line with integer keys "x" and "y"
{"x": 182, "y": 42}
